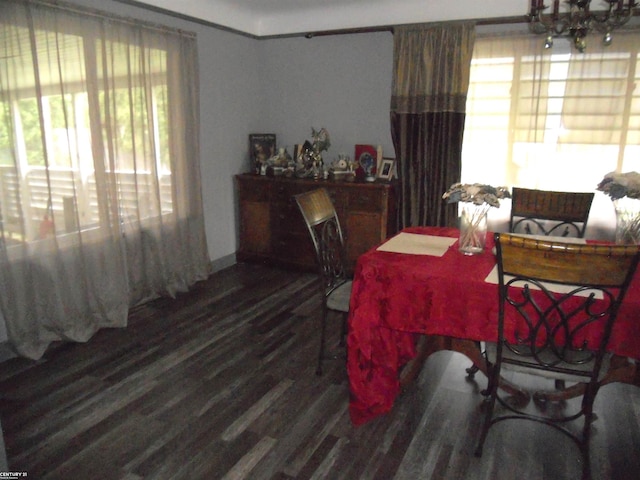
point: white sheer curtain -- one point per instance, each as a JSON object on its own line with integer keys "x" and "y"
{"x": 553, "y": 119}
{"x": 99, "y": 170}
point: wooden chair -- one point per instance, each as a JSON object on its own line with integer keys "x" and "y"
{"x": 541, "y": 212}
{"x": 557, "y": 306}
{"x": 324, "y": 227}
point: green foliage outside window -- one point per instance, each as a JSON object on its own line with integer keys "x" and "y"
{"x": 5, "y": 135}
{"x": 31, "y": 133}
{"x": 163, "y": 125}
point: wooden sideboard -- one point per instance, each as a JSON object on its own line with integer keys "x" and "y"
{"x": 273, "y": 230}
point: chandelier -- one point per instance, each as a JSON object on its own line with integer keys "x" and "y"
{"x": 577, "y": 20}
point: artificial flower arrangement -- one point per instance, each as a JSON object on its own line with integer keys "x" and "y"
{"x": 476, "y": 193}
{"x": 618, "y": 185}
{"x": 473, "y": 222}
{"x": 624, "y": 190}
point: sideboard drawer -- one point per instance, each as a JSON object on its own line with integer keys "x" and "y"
{"x": 287, "y": 218}
{"x": 252, "y": 191}
{"x": 367, "y": 200}
{"x": 273, "y": 230}
{"x": 293, "y": 249}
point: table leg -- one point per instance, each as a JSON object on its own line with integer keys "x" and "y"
{"x": 620, "y": 370}
{"x": 429, "y": 344}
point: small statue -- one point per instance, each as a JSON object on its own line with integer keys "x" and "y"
{"x": 284, "y": 159}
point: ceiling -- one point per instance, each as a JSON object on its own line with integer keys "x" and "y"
{"x": 265, "y": 18}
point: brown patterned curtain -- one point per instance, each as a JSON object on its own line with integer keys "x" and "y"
{"x": 431, "y": 78}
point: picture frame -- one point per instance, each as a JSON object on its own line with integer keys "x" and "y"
{"x": 387, "y": 169}
{"x": 366, "y": 161}
{"x": 262, "y": 146}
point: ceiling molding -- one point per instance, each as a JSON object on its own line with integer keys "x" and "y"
{"x": 281, "y": 18}
{"x": 269, "y": 19}
{"x": 182, "y": 16}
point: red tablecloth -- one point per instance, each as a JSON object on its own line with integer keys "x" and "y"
{"x": 395, "y": 296}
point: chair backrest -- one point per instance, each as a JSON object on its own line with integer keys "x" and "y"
{"x": 558, "y": 301}
{"x": 549, "y": 213}
{"x": 324, "y": 227}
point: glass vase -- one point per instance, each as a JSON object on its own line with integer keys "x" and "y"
{"x": 473, "y": 228}
{"x": 627, "y": 220}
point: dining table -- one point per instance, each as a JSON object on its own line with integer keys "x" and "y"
{"x": 416, "y": 294}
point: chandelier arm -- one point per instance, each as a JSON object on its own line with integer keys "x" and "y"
{"x": 539, "y": 24}
{"x": 579, "y": 20}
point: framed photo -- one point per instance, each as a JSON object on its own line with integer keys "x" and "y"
{"x": 366, "y": 161}
{"x": 387, "y": 168}
{"x": 262, "y": 146}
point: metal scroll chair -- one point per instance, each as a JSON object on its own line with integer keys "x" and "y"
{"x": 324, "y": 227}
{"x": 541, "y": 212}
{"x": 557, "y": 306}
{"x": 549, "y": 213}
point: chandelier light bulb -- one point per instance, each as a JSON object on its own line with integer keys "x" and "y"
{"x": 576, "y": 20}
{"x": 548, "y": 43}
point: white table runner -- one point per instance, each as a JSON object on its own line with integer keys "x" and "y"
{"x": 416, "y": 244}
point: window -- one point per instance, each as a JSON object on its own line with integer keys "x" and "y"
{"x": 100, "y": 204}
{"x": 552, "y": 119}
{"x": 48, "y": 134}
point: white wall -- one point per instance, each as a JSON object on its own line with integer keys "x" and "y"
{"x": 341, "y": 82}
{"x": 231, "y": 103}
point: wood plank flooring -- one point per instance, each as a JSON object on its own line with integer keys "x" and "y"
{"x": 219, "y": 383}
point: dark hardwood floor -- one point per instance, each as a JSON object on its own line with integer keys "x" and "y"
{"x": 220, "y": 383}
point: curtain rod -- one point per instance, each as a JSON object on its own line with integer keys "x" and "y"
{"x": 523, "y": 19}
{"x": 321, "y": 33}
{"x": 390, "y": 28}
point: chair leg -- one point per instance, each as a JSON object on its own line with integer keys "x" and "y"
{"x": 584, "y": 449}
{"x": 343, "y": 332}
{"x": 489, "y": 405}
{"x": 323, "y": 327}
{"x": 472, "y": 370}
{"x": 587, "y": 408}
